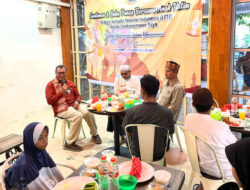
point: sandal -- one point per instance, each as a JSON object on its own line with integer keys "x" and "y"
{"x": 196, "y": 186}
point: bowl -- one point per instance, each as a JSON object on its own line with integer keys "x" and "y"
{"x": 127, "y": 182}
{"x": 162, "y": 177}
{"x": 92, "y": 162}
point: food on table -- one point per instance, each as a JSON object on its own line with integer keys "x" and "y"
{"x": 136, "y": 167}
{"x": 234, "y": 124}
{"x": 126, "y": 94}
{"x": 92, "y": 162}
{"x": 90, "y": 172}
{"x": 155, "y": 186}
{"x": 92, "y": 106}
{"x": 104, "y": 96}
{"x": 162, "y": 177}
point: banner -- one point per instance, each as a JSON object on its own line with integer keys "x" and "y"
{"x": 143, "y": 34}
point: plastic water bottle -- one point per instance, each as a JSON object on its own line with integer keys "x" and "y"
{"x": 234, "y": 105}
{"x": 114, "y": 174}
{"x": 247, "y": 119}
{"x": 103, "y": 174}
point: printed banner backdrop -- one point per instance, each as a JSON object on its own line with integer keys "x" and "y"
{"x": 143, "y": 34}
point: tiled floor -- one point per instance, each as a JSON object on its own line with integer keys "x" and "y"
{"x": 175, "y": 158}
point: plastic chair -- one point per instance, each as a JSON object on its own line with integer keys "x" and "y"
{"x": 191, "y": 139}
{"x": 177, "y": 136}
{"x": 10, "y": 162}
{"x": 63, "y": 127}
{"x": 146, "y": 135}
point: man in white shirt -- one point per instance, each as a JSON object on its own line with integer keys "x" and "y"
{"x": 217, "y": 133}
{"x": 127, "y": 83}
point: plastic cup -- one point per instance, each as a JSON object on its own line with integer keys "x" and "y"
{"x": 131, "y": 102}
{"x": 98, "y": 107}
{"x": 108, "y": 153}
{"x": 242, "y": 114}
{"x": 162, "y": 177}
{"x": 127, "y": 182}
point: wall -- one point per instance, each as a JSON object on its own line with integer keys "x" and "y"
{"x": 28, "y": 57}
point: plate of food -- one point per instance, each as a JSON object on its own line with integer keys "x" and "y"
{"x": 146, "y": 174}
{"x": 115, "y": 109}
{"x": 91, "y": 107}
{"x": 236, "y": 125}
{"x": 74, "y": 183}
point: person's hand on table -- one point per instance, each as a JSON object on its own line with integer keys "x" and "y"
{"x": 76, "y": 105}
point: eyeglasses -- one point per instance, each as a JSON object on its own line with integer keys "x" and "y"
{"x": 61, "y": 73}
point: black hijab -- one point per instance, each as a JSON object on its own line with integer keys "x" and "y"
{"x": 238, "y": 155}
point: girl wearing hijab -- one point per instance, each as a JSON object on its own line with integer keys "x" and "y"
{"x": 239, "y": 157}
{"x": 34, "y": 169}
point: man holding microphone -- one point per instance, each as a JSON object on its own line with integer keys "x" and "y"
{"x": 65, "y": 100}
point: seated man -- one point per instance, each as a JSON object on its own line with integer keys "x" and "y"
{"x": 124, "y": 83}
{"x": 65, "y": 99}
{"x": 149, "y": 112}
{"x": 217, "y": 133}
{"x": 172, "y": 92}
{"x": 127, "y": 82}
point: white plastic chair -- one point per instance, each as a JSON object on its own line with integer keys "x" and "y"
{"x": 63, "y": 127}
{"x": 10, "y": 162}
{"x": 208, "y": 184}
{"x": 146, "y": 135}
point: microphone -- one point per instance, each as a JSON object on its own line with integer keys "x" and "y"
{"x": 65, "y": 82}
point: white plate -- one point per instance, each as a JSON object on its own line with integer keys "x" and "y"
{"x": 73, "y": 183}
{"x": 90, "y": 109}
{"x": 109, "y": 109}
{"x": 146, "y": 174}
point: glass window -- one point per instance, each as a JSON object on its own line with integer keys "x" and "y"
{"x": 241, "y": 72}
{"x": 81, "y": 39}
{"x": 96, "y": 90}
{"x": 84, "y": 89}
{"x": 242, "y": 25}
{"x": 109, "y": 89}
{"x": 80, "y": 13}
{"x": 83, "y": 64}
{"x": 73, "y": 43}
{"x": 74, "y": 58}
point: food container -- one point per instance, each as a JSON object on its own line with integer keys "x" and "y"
{"x": 162, "y": 177}
{"x": 155, "y": 186}
{"x": 109, "y": 154}
{"x": 92, "y": 162}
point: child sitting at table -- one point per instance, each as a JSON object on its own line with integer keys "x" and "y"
{"x": 35, "y": 169}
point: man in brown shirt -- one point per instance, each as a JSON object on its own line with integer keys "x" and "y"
{"x": 172, "y": 92}
{"x": 65, "y": 100}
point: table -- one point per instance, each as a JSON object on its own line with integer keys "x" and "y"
{"x": 176, "y": 181}
{"x": 242, "y": 130}
{"x": 115, "y": 119}
{"x": 10, "y": 142}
